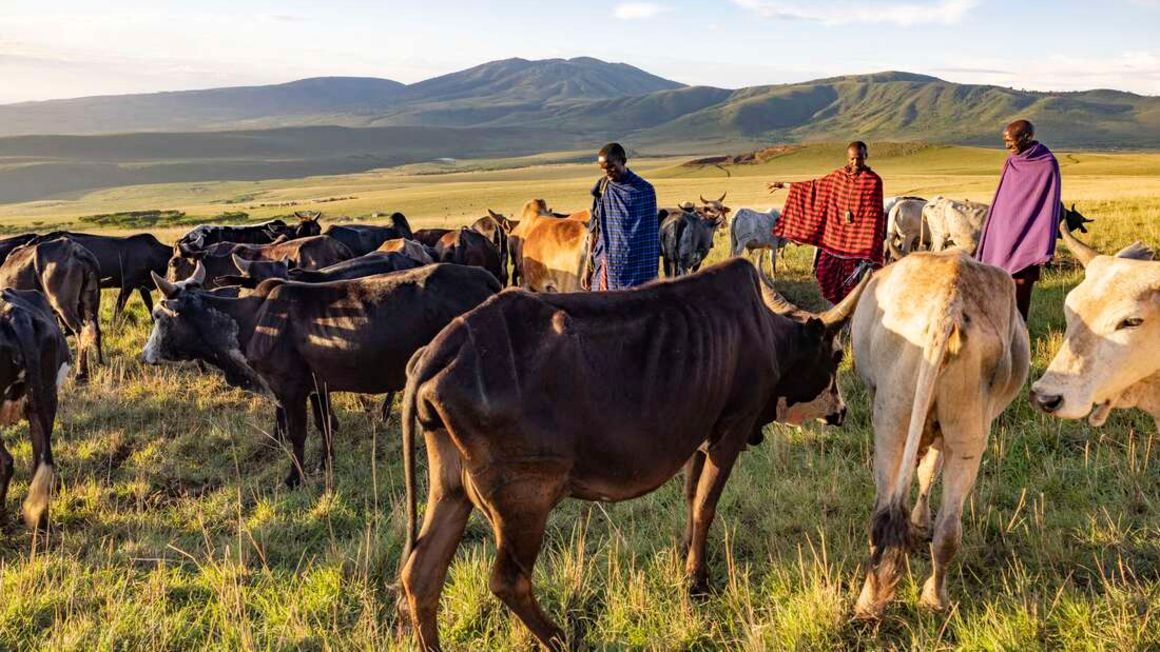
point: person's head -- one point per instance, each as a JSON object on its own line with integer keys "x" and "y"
{"x": 856, "y": 155}
{"x": 613, "y": 161}
{"x": 1018, "y": 136}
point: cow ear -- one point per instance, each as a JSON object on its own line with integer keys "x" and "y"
{"x": 1136, "y": 251}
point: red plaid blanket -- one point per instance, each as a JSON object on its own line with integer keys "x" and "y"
{"x": 841, "y": 213}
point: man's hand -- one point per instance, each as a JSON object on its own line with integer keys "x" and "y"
{"x": 775, "y": 185}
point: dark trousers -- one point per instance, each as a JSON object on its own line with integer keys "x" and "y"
{"x": 1025, "y": 280}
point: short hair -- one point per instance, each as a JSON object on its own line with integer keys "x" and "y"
{"x": 613, "y": 151}
{"x": 1023, "y": 126}
{"x": 860, "y": 145}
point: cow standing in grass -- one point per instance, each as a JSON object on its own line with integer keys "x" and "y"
{"x": 486, "y": 395}
{"x": 34, "y": 361}
{"x": 939, "y": 372}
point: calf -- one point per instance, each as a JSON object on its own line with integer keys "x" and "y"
{"x": 287, "y": 340}
{"x": 753, "y": 231}
{"x": 33, "y": 363}
{"x": 939, "y": 372}
{"x": 486, "y": 395}
{"x": 68, "y": 276}
{"x": 1110, "y": 354}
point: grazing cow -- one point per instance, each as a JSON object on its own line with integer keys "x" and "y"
{"x": 124, "y": 263}
{"x": 1109, "y": 357}
{"x": 549, "y": 252}
{"x": 8, "y": 244}
{"x": 365, "y": 238}
{"x": 69, "y": 277}
{"x": 686, "y": 239}
{"x": 906, "y": 230}
{"x": 954, "y": 223}
{"x": 205, "y": 235}
{"x": 753, "y": 230}
{"x": 939, "y": 371}
{"x": 496, "y": 227}
{"x": 314, "y": 252}
{"x": 413, "y": 249}
{"x": 33, "y": 363}
{"x": 469, "y": 247}
{"x": 288, "y": 340}
{"x": 486, "y": 395}
{"x": 430, "y": 237}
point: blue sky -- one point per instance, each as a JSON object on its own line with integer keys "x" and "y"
{"x": 70, "y": 48}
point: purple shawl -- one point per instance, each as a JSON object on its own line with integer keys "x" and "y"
{"x": 1021, "y": 227}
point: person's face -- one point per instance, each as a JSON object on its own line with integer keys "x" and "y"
{"x": 1015, "y": 140}
{"x": 856, "y": 159}
{"x": 612, "y": 167}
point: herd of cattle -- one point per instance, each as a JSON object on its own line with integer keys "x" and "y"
{"x": 678, "y": 374}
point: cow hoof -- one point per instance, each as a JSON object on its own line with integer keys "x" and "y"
{"x": 698, "y": 589}
{"x": 932, "y": 601}
{"x": 868, "y": 612}
{"x": 294, "y": 479}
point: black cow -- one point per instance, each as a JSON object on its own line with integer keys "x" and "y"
{"x": 365, "y": 238}
{"x": 686, "y": 239}
{"x": 287, "y": 340}
{"x": 124, "y": 263}
{"x": 253, "y": 272}
{"x": 33, "y": 362}
{"x": 205, "y": 235}
{"x": 430, "y": 237}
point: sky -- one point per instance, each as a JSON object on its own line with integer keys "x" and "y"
{"x": 74, "y": 48}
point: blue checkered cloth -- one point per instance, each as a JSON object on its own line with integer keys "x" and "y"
{"x": 627, "y": 251}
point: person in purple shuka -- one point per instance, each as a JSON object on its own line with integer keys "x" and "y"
{"x": 1019, "y": 235}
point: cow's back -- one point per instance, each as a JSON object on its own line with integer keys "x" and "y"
{"x": 551, "y": 252}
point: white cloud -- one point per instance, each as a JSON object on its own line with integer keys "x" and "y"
{"x": 638, "y": 10}
{"x": 1137, "y": 71}
{"x": 946, "y": 12}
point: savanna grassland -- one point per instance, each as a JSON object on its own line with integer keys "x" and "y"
{"x": 173, "y": 530}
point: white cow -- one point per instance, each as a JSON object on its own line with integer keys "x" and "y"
{"x": 954, "y": 223}
{"x": 906, "y": 230}
{"x": 1110, "y": 357}
{"x": 753, "y": 230}
{"x": 939, "y": 371}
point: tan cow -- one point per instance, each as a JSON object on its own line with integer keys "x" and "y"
{"x": 954, "y": 223}
{"x": 906, "y": 229}
{"x": 940, "y": 371}
{"x": 1110, "y": 355}
{"x": 549, "y": 251}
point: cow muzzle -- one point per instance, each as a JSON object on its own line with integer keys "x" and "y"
{"x": 1046, "y": 403}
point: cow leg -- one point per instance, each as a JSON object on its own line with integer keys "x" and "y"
{"x": 717, "y": 466}
{"x": 448, "y": 508}
{"x": 147, "y": 299}
{"x": 122, "y": 298}
{"x": 295, "y": 410}
{"x": 327, "y": 424}
{"x": 958, "y": 479}
{"x": 692, "y": 476}
{"x": 279, "y": 423}
{"x": 519, "y": 516}
{"x": 40, "y": 415}
{"x": 6, "y": 467}
{"x": 388, "y": 401}
{"x": 928, "y": 469}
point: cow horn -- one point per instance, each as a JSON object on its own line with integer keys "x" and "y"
{"x": 493, "y": 214}
{"x": 168, "y": 290}
{"x": 198, "y": 276}
{"x": 835, "y": 317}
{"x": 1136, "y": 251}
{"x": 242, "y": 264}
{"x": 723, "y": 197}
{"x": 703, "y": 201}
{"x": 779, "y": 304}
{"x": 895, "y": 252}
{"x": 1081, "y": 251}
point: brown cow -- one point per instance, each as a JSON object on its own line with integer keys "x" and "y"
{"x": 495, "y": 228}
{"x": 413, "y": 249}
{"x": 430, "y": 237}
{"x": 314, "y": 252}
{"x": 69, "y": 277}
{"x": 486, "y": 394}
{"x": 33, "y": 363}
{"x": 550, "y": 252}
{"x": 469, "y": 247}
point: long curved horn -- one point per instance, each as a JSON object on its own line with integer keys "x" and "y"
{"x": 242, "y": 264}
{"x": 835, "y": 317}
{"x": 198, "y": 276}
{"x": 168, "y": 290}
{"x": 779, "y": 304}
{"x": 1081, "y": 251}
{"x": 703, "y": 200}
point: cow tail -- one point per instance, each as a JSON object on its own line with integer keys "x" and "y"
{"x": 892, "y": 535}
{"x": 35, "y": 505}
{"x": 91, "y": 309}
{"x": 409, "y": 425}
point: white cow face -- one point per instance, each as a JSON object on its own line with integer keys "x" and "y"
{"x": 1112, "y": 339}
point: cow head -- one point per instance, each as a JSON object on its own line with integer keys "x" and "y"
{"x": 696, "y": 241}
{"x": 182, "y": 264}
{"x": 1113, "y": 325}
{"x": 188, "y": 326}
{"x": 307, "y": 224}
{"x": 504, "y": 223}
{"x": 715, "y": 210}
{"x": 276, "y": 229}
{"x": 1073, "y": 219}
{"x": 809, "y": 381}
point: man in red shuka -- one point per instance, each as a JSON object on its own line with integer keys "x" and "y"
{"x": 840, "y": 214}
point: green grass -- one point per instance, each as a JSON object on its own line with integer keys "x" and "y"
{"x": 174, "y": 532}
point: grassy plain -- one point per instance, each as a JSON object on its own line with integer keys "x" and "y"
{"x": 173, "y": 531}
